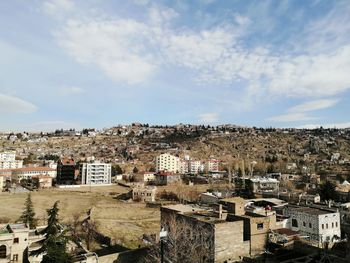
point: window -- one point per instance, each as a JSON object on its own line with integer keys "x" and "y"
{"x": 336, "y": 224}
{"x": 260, "y": 226}
{"x": 304, "y": 224}
{"x": 3, "y": 251}
{"x": 332, "y": 225}
{"x": 310, "y": 225}
{"x": 327, "y": 226}
{"x": 294, "y": 223}
{"x": 16, "y": 240}
{"x": 15, "y": 257}
{"x": 322, "y": 226}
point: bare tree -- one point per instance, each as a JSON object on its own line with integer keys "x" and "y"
{"x": 187, "y": 241}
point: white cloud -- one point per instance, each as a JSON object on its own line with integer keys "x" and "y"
{"x": 208, "y": 117}
{"x": 58, "y": 8}
{"x": 292, "y": 117}
{"x": 160, "y": 16}
{"x": 66, "y": 91}
{"x": 314, "y": 105}
{"x": 115, "y": 46}
{"x": 300, "y": 112}
{"x": 10, "y": 104}
{"x": 242, "y": 20}
{"x": 340, "y": 125}
{"x": 132, "y": 51}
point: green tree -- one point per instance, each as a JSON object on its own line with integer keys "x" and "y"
{"x": 117, "y": 169}
{"x": 28, "y": 215}
{"x": 55, "y": 242}
{"x": 327, "y": 191}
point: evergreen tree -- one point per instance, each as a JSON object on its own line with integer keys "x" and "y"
{"x": 327, "y": 191}
{"x": 28, "y": 215}
{"x": 55, "y": 242}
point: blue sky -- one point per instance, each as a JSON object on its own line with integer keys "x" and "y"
{"x": 94, "y": 63}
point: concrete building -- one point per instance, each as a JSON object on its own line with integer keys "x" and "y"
{"x": 144, "y": 193}
{"x": 8, "y": 161}
{"x": 146, "y": 177}
{"x": 165, "y": 178}
{"x": 196, "y": 167}
{"x": 263, "y": 184}
{"x": 66, "y": 171}
{"x": 95, "y": 173}
{"x": 320, "y": 225}
{"x": 167, "y": 162}
{"x": 213, "y": 165}
{"x": 29, "y": 172}
{"x": 183, "y": 166}
{"x": 15, "y": 241}
{"x": 219, "y": 235}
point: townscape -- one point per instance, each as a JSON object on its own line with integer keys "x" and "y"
{"x": 174, "y": 131}
{"x": 183, "y": 193}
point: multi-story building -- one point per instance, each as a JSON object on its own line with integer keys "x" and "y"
{"x": 144, "y": 193}
{"x": 196, "y": 167}
{"x": 183, "y": 166}
{"x": 95, "y": 173}
{"x": 8, "y": 161}
{"x": 165, "y": 178}
{"x": 167, "y": 162}
{"x": 213, "y": 165}
{"x": 15, "y": 241}
{"x": 30, "y": 172}
{"x": 198, "y": 234}
{"x": 66, "y": 171}
{"x": 320, "y": 225}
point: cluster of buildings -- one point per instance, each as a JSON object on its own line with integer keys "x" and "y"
{"x": 65, "y": 172}
{"x": 171, "y": 163}
{"x": 235, "y": 228}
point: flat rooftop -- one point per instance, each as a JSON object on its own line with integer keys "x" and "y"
{"x": 311, "y": 210}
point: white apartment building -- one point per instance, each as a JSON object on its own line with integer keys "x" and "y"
{"x": 196, "y": 167}
{"x": 319, "y": 225}
{"x": 95, "y": 173}
{"x": 167, "y": 162}
{"x": 183, "y": 166}
{"x": 8, "y": 161}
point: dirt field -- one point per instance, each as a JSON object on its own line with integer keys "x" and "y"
{"x": 124, "y": 222}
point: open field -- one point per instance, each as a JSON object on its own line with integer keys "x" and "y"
{"x": 122, "y": 221}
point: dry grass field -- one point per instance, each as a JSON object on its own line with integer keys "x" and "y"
{"x": 124, "y": 222}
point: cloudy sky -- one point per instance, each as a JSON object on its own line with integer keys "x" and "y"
{"x": 98, "y": 63}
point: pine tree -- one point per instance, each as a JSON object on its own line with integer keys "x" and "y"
{"x": 28, "y": 215}
{"x": 55, "y": 242}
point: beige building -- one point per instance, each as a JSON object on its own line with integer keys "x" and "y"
{"x": 167, "y": 162}
{"x": 144, "y": 193}
{"x": 15, "y": 241}
{"x": 31, "y": 171}
{"x": 199, "y": 234}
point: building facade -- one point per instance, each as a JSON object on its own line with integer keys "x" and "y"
{"x": 8, "y": 161}
{"x": 30, "y": 172}
{"x": 66, "y": 171}
{"x": 319, "y": 225}
{"x": 167, "y": 162}
{"x": 95, "y": 173}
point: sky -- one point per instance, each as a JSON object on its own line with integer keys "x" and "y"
{"x": 99, "y": 63}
